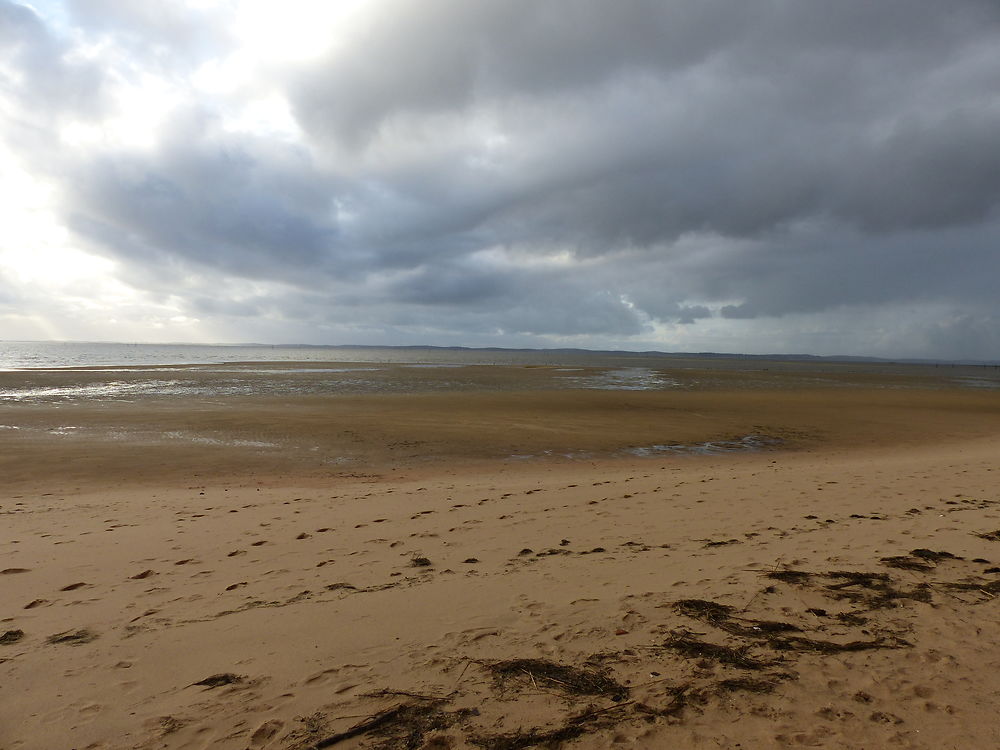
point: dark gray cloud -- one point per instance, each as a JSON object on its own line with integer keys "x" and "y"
{"x": 612, "y": 174}
{"x": 244, "y": 206}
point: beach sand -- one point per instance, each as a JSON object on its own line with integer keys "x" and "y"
{"x": 501, "y": 570}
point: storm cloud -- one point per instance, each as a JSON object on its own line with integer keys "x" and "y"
{"x": 761, "y": 175}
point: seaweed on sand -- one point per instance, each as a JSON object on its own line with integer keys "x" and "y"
{"x": 905, "y": 562}
{"x": 574, "y": 727}
{"x": 856, "y": 578}
{"x": 851, "y": 618}
{"x": 800, "y": 643}
{"x": 721, "y": 616}
{"x": 874, "y": 590}
{"x": 688, "y": 646}
{"x": 567, "y": 679}
{"x": 986, "y": 587}
{"x": 73, "y": 637}
{"x": 402, "y": 726}
{"x": 571, "y": 680}
{"x": 11, "y": 636}
{"x": 218, "y": 680}
{"x": 531, "y": 738}
{"x": 706, "y": 611}
{"x": 773, "y": 633}
{"x": 929, "y": 554}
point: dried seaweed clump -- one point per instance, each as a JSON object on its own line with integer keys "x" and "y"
{"x": 11, "y": 636}
{"x": 873, "y": 590}
{"x": 403, "y": 726}
{"x": 218, "y": 680}
{"x": 721, "y": 616}
{"x": 703, "y": 610}
{"x": 572, "y": 680}
{"x": 987, "y": 587}
{"x": 929, "y": 554}
{"x": 530, "y": 738}
{"x": 799, "y": 643}
{"x": 905, "y": 562}
{"x": 688, "y": 646}
{"x": 73, "y": 637}
{"x": 573, "y": 727}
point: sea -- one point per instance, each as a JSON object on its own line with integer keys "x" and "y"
{"x": 54, "y": 375}
{"x": 49, "y": 371}
{"x": 24, "y": 355}
{"x": 17, "y": 355}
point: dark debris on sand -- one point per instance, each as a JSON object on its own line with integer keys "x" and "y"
{"x": 530, "y": 738}
{"x": 73, "y": 637}
{"x": 567, "y": 679}
{"x": 799, "y": 643}
{"x": 905, "y": 562}
{"x": 687, "y": 645}
{"x": 218, "y": 680}
{"x": 11, "y": 636}
{"x": 717, "y": 670}
{"x": 867, "y": 589}
{"x": 405, "y": 725}
{"x": 929, "y": 554}
{"x": 722, "y": 617}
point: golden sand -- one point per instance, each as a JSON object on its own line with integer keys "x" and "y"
{"x": 495, "y": 569}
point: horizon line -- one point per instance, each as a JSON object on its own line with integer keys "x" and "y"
{"x": 458, "y": 347}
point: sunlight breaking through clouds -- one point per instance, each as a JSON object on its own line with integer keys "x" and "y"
{"x": 750, "y": 176}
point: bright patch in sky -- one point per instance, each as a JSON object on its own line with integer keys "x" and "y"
{"x": 746, "y": 176}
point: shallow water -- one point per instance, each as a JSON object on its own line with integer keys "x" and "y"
{"x": 710, "y": 448}
{"x": 48, "y": 354}
{"x": 132, "y": 372}
{"x": 625, "y": 379}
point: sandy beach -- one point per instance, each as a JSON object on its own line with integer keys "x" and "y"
{"x": 505, "y": 568}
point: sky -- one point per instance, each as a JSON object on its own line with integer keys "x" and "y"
{"x": 761, "y": 176}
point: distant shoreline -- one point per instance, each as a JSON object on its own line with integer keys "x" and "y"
{"x": 61, "y": 354}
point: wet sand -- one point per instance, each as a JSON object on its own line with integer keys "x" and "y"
{"x": 497, "y": 568}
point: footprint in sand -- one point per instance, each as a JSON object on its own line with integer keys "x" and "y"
{"x": 266, "y": 732}
{"x": 14, "y": 571}
{"x": 320, "y": 677}
{"x": 73, "y": 586}
{"x": 90, "y": 709}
